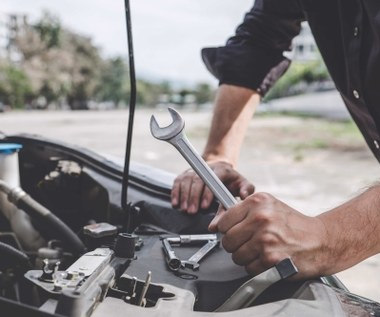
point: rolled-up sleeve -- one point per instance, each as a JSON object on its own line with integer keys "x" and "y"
{"x": 253, "y": 57}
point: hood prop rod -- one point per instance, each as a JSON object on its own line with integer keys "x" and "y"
{"x": 132, "y": 107}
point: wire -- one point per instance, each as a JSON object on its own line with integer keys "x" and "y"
{"x": 132, "y": 107}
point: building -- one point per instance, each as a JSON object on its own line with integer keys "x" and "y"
{"x": 304, "y": 47}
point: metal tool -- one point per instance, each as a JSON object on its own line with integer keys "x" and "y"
{"x": 133, "y": 288}
{"x": 191, "y": 239}
{"x": 175, "y": 135}
{"x": 193, "y": 261}
{"x": 142, "y": 300}
{"x": 250, "y": 290}
{"x": 174, "y": 263}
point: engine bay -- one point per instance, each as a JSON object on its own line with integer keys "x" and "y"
{"x": 71, "y": 249}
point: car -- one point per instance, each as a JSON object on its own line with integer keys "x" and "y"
{"x": 82, "y": 234}
{"x": 100, "y": 257}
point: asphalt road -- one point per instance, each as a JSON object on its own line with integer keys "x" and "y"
{"x": 280, "y": 155}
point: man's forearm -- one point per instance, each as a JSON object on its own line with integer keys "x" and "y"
{"x": 353, "y": 231}
{"x": 233, "y": 111}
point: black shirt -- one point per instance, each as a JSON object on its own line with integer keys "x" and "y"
{"x": 347, "y": 33}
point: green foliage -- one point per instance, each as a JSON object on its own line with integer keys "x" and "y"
{"x": 15, "y": 88}
{"x": 113, "y": 81}
{"x": 203, "y": 93}
{"x": 49, "y": 30}
{"x": 298, "y": 77}
{"x": 148, "y": 94}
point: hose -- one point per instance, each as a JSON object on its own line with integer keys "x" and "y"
{"x": 11, "y": 255}
{"x": 50, "y": 224}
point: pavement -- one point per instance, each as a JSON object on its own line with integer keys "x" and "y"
{"x": 308, "y": 163}
{"x": 326, "y": 104}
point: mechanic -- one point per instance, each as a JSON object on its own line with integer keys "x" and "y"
{"x": 261, "y": 230}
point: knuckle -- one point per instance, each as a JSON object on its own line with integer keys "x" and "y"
{"x": 186, "y": 179}
{"x": 262, "y": 198}
{"x": 177, "y": 182}
{"x": 266, "y": 239}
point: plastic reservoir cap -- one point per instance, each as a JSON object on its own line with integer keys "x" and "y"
{"x": 9, "y": 148}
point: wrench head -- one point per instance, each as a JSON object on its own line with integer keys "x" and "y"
{"x": 169, "y": 132}
{"x": 191, "y": 265}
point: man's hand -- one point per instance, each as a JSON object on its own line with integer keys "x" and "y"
{"x": 189, "y": 192}
{"x": 261, "y": 231}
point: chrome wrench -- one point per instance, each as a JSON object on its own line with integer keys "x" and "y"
{"x": 174, "y": 263}
{"x": 175, "y": 135}
{"x": 193, "y": 261}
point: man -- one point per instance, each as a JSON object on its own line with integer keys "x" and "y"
{"x": 261, "y": 230}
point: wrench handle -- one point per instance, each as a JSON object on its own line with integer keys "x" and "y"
{"x": 202, "y": 252}
{"x": 182, "y": 144}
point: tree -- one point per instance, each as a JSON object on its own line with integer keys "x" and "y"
{"x": 203, "y": 93}
{"x": 84, "y": 70}
{"x": 15, "y": 87}
{"x": 59, "y": 63}
{"x": 113, "y": 81}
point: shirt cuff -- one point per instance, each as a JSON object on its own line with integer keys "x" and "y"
{"x": 247, "y": 67}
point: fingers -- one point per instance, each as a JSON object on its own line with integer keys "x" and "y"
{"x": 196, "y": 190}
{"x": 237, "y": 237}
{"x": 264, "y": 262}
{"x": 255, "y": 267}
{"x": 245, "y": 254}
{"x": 190, "y": 194}
{"x": 233, "y": 217}
{"x": 180, "y": 187}
{"x": 261, "y": 231}
{"x": 187, "y": 192}
{"x": 207, "y": 198}
{"x": 246, "y": 189}
{"x": 213, "y": 227}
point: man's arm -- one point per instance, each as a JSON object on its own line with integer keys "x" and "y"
{"x": 230, "y": 123}
{"x": 261, "y": 231}
{"x": 252, "y": 58}
{"x": 228, "y": 128}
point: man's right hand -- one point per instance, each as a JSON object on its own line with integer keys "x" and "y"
{"x": 190, "y": 194}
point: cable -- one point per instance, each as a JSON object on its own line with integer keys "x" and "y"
{"x": 132, "y": 107}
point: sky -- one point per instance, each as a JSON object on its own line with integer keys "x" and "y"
{"x": 168, "y": 34}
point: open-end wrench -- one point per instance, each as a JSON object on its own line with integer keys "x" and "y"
{"x": 193, "y": 261}
{"x": 175, "y": 135}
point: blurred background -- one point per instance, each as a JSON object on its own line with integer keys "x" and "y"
{"x": 73, "y": 55}
{"x": 61, "y": 56}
